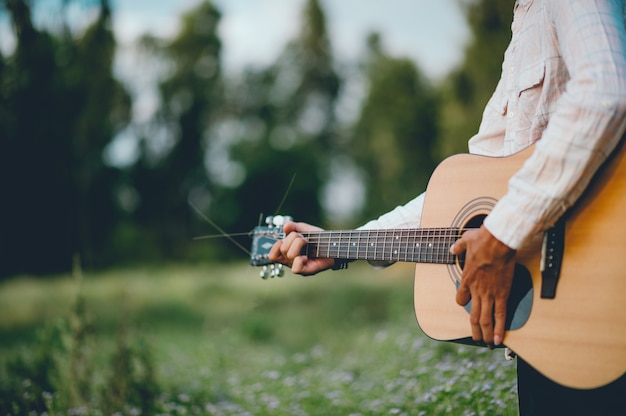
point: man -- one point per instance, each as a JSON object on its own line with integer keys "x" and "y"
{"x": 563, "y": 86}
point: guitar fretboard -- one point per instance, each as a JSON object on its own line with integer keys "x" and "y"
{"x": 424, "y": 245}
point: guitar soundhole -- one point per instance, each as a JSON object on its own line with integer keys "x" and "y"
{"x": 473, "y": 223}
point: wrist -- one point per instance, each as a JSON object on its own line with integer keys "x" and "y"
{"x": 497, "y": 246}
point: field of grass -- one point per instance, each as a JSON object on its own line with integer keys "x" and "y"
{"x": 218, "y": 340}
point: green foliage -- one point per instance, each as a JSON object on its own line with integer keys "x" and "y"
{"x": 235, "y": 145}
{"x": 131, "y": 384}
{"x": 190, "y": 97}
{"x": 396, "y": 132}
{"x": 468, "y": 88}
{"x": 339, "y": 343}
{"x": 58, "y": 372}
{"x": 288, "y": 129}
{"x": 257, "y": 328}
{"x": 60, "y": 106}
{"x": 29, "y": 377}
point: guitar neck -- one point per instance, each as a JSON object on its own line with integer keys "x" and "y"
{"x": 420, "y": 245}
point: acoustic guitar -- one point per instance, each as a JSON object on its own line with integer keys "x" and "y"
{"x": 576, "y": 337}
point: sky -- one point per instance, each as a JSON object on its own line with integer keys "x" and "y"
{"x": 431, "y": 32}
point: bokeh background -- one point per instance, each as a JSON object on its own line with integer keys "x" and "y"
{"x": 130, "y": 128}
{"x": 117, "y": 118}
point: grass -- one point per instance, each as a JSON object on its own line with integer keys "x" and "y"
{"x": 218, "y": 340}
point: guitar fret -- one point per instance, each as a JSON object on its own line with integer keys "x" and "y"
{"x": 423, "y": 247}
{"x": 426, "y": 247}
{"x": 404, "y": 245}
{"x": 317, "y": 250}
{"x": 392, "y": 241}
{"x": 348, "y": 244}
{"x": 407, "y": 242}
{"x": 402, "y": 241}
{"x": 436, "y": 250}
{"x": 330, "y": 240}
{"x": 397, "y": 239}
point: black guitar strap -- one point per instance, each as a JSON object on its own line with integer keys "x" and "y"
{"x": 552, "y": 257}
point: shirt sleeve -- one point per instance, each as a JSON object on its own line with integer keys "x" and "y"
{"x": 404, "y": 216}
{"x": 589, "y": 120}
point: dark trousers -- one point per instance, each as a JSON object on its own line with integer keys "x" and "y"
{"x": 540, "y": 396}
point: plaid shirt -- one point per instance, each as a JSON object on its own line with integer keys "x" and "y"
{"x": 563, "y": 81}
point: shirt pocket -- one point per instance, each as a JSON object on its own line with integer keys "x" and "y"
{"x": 531, "y": 78}
{"x": 528, "y": 115}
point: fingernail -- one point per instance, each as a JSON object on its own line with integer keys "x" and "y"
{"x": 497, "y": 340}
{"x": 452, "y": 249}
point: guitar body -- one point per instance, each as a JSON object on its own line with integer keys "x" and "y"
{"x": 578, "y": 338}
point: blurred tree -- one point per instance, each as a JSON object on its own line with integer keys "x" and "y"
{"x": 31, "y": 197}
{"x": 169, "y": 174}
{"x": 396, "y": 131}
{"x": 60, "y": 106}
{"x": 286, "y": 129}
{"x": 102, "y": 109}
{"x": 232, "y": 146}
{"x": 468, "y": 88}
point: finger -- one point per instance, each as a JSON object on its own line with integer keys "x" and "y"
{"x": 298, "y": 227}
{"x": 305, "y": 266}
{"x": 275, "y": 253}
{"x": 290, "y": 226}
{"x": 486, "y": 321}
{"x": 477, "y": 334}
{"x": 296, "y": 247}
{"x": 299, "y": 265}
{"x": 463, "y": 295}
{"x": 500, "y": 320}
{"x": 287, "y": 242}
{"x": 278, "y": 252}
{"x": 458, "y": 247}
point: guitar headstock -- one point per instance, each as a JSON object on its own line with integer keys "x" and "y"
{"x": 263, "y": 238}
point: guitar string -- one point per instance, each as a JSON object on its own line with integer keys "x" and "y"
{"x": 280, "y": 235}
{"x": 229, "y": 236}
{"x": 341, "y": 243}
{"x": 282, "y": 202}
{"x": 218, "y": 228}
{"x": 207, "y": 237}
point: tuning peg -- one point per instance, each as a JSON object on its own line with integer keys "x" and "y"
{"x": 277, "y": 220}
{"x": 273, "y": 270}
{"x": 280, "y": 270}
